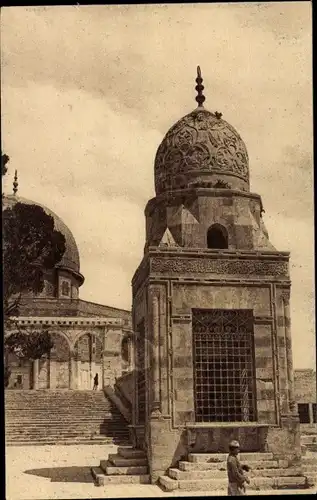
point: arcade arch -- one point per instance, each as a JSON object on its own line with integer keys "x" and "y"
{"x": 88, "y": 361}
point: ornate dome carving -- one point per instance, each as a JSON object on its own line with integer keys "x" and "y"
{"x": 70, "y": 259}
{"x": 201, "y": 146}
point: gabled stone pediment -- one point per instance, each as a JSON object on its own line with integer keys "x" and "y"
{"x": 167, "y": 239}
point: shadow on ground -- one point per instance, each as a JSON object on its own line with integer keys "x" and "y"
{"x": 64, "y": 474}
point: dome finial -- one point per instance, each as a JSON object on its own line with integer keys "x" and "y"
{"x": 15, "y": 183}
{"x": 200, "y": 98}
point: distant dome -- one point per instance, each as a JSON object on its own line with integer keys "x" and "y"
{"x": 201, "y": 147}
{"x": 70, "y": 260}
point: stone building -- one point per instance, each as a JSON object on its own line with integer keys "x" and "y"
{"x": 305, "y": 395}
{"x": 88, "y": 338}
{"x": 210, "y": 356}
{"x": 211, "y": 306}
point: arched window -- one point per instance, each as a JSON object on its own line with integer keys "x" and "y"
{"x": 217, "y": 237}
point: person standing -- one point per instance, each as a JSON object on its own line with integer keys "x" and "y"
{"x": 236, "y": 477}
{"x": 96, "y": 382}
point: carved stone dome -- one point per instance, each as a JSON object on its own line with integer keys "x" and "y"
{"x": 70, "y": 260}
{"x": 201, "y": 149}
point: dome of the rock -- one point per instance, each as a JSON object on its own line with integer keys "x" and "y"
{"x": 201, "y": 147}
{"x": 70, "y": 261}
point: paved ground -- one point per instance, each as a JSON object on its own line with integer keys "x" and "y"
{"x": 63, "y": 472}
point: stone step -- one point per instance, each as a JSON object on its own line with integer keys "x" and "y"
{"x": 307, "y": 460}
{"x": 69, "y": 430}
{"x": 309, "y": 467}
{"x": 63, "y": 405}
{"x": 70, "y": 442}
{"x": 74, "y": 440}
{"x": 221, "y": 457}
{"x": 62, "y": 408}
{"x": 73, "y": 426}
{"x": 118, "y": 471}
{"x": 92, "y": 397}
{"x": 21, "y": 411}
{"x": 63, "y": 437}
{"x": 168, "y": 484}
{"x": 124, "y": 436}
{"x": 101, "y": 429}
{"x": 118, "y": 461}
{"x": 62, "y": 395}
{"x": 219, "y": 474}
{"x": 131, "y": 453}
{"x": 308, "y": 439}
{"x": 311, "y": 447}
{"x": 42, "y": 414}
{"x": 254, "y": 464}
{"x": 116, "y": 424}
{"x": 35, "y": 402}
{"x": 222, "y": 484}
{"x": 308, "y": 429}
{"x": 70, "y": 417}
{"x": 122, "y": 440}
{"x": 47, "y": 393}
{"x": 40, "y": 417}
{"x": 64, "y": 400}
{"x": 37, "y": 416}
{"x": 103, "y": 480}
{"x": 49, "y": 423}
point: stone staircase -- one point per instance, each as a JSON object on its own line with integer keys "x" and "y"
{"x": 128, "y": 465}
{"x": 309, "y": 437}
{"x": 309, "y": 452}
{"x": 62, "y": 417}
{"x": 309, "y": 467}
{"x": 207, "y": 472}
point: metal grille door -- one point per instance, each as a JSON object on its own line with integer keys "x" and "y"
{"x": 223, "y": 350}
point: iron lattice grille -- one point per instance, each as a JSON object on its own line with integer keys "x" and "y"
{"x": 140, "y": 368}
{"x": 224, "y": 365}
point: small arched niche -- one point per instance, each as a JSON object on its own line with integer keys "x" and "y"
{"x": 217, "y": 237}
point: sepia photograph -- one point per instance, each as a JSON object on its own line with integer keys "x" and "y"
{"x": 158, "y": 250}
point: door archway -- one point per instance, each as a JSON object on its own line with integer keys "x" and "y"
{"x": 59, "y": 369}
{"x": 88, "y": 356}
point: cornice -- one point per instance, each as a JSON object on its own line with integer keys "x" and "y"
{"x": 66, "y": 321}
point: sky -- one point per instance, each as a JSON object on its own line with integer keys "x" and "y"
{"x": 88, "y": 93}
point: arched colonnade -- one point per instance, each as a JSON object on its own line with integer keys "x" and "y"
{"x": 75, "y": 359}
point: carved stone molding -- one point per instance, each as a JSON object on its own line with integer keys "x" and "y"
{"x": 219, "y": 266}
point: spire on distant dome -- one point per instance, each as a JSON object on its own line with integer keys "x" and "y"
{"x": 15, "y": 183}
{"x": 200, "y": 98}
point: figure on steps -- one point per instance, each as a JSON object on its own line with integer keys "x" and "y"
{"x": 96, "y": 382}
{"x": 236, "y": 476}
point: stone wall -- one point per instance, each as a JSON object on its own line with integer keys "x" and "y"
{"x": 71, "y": 307}
{"x": 168, "y": 284}
{"x": 305, "y": 386}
